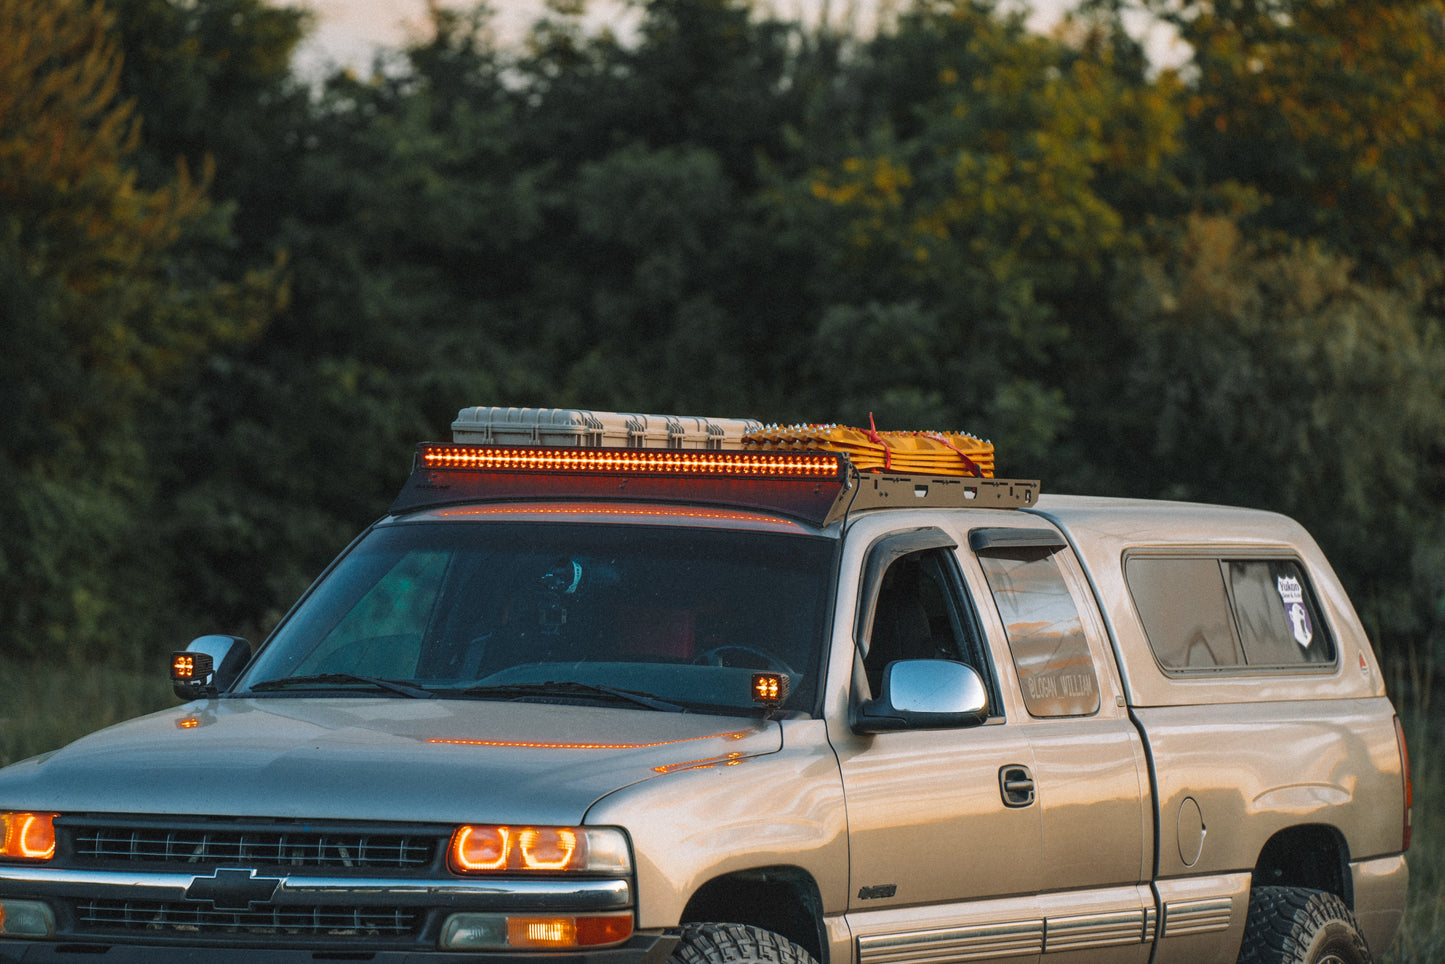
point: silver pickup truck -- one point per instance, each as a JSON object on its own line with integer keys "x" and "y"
{"x": 585, "y": 697}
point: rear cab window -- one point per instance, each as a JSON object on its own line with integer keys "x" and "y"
{"x": 1215, "y": 613}
{"x": 1042, "y": 620}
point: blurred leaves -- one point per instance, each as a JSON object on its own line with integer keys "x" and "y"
{"x": 234, "y": 299}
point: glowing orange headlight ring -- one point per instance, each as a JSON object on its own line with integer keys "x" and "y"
{"x": 483, "y": 849}
{"x": 549, "y": 848}
{"x": 27, "y": 836}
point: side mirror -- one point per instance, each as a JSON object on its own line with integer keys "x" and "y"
{"x": 920, "y": 694}
{"x": 208, "y": 665}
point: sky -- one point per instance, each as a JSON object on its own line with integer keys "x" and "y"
{"x": 349, "y": 32}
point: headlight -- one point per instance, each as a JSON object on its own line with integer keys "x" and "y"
{"x": 27, "y": 836}
{"x": 493, "y": 849}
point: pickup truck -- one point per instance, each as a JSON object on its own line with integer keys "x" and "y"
{"x": 609, "y": 689}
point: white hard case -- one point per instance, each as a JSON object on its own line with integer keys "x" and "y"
{"x": 580, "y": 428}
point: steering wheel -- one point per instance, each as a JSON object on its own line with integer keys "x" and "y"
{"x": 717, "y": 656}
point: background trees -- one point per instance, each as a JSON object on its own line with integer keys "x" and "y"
{"x": 233, "y": 298}
{"x": 103, "y": 307}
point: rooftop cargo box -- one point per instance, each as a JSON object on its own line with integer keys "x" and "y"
{"x": 494, "y": 425}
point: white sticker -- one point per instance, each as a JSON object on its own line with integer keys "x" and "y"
{"x": 1293, "y": 595}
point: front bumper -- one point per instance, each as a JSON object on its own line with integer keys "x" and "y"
{"x": 237, "y": 914}
{"x": 653, "y": 948}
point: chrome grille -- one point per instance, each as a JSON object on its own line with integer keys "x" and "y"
{"x": 253, "y": 847}
{"x": 354, "y": 923}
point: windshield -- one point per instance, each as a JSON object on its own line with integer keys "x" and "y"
{"x": 559, "y": 612}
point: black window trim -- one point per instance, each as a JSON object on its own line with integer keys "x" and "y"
{"x": 982, "y": 540}
{"x": 887, "y": 549}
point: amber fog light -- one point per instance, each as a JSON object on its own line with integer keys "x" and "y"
{"x": 26, "y": 918}
{"x": 534, "y": 932}
{"x": 27, "y": 836}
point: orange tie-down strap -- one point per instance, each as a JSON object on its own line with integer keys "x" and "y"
{"x": 914, "y": 453}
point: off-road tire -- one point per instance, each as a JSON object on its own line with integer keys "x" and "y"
{"x": 1293, "y": 925}
{"x": 736, "y": 944}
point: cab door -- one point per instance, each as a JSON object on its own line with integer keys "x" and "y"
{"x": 1090, "y": 771}
{"x": 944, "y": 825}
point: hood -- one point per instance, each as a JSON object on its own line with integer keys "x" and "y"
{"x": 376, "y": 759}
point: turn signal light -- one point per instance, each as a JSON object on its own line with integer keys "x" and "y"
{"x": 560, "y": 932}
{"x": 491, "y": 849}
{"x": 496, "y": 932}
{"x": 27, "y": 836}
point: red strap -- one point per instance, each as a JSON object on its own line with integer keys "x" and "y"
{"x": 969, "y": 463}
{"x": 877, "y": 439}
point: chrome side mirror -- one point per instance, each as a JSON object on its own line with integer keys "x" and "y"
{"x": 924, "y": 694}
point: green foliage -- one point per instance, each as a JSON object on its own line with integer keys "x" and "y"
{"x": 1422, "y": 935}
{"x": 232, "y": 301}
{"x": 1164, "y": 282}
{"x": 98, "y": 313}
{"x": 1335, "y": 112}
{"x": 46, "y": 705}
{"x": 1269, "y": 377}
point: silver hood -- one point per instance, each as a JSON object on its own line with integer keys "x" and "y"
{"x": 376, "y": 759}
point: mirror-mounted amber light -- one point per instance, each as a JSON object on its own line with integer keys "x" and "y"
{"x": 770, "y": 689}
{"x": 492, "y": 849}
{"x": 191, "y": 673}
{"x": 27, "y": 836}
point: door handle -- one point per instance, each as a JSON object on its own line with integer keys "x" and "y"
{"x": 1016, "y": 784}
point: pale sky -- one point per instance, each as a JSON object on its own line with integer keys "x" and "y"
{"x": 349, "y": 32}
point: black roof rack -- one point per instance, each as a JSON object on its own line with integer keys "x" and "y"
{"x": 815, "y": 487}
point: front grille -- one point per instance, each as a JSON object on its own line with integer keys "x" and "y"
{"x": 260, "y": 847}
{"x": 189, "y": 919}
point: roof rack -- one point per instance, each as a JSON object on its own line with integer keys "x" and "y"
{"x": 554, "y": 454}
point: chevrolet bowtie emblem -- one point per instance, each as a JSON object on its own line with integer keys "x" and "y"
{"x": 233, "y": 889}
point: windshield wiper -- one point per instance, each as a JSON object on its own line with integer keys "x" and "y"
{"x": 390, "y": 685}
{"x": 569, "y": 688}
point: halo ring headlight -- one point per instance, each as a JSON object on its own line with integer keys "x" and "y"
{"x": 509, "y": 849}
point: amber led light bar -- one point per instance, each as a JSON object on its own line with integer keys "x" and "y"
{"x": 654, "y": 462}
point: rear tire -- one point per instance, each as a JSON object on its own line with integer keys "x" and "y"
{"x": 736, "y": 944}
{"x": 1293, "y": 925}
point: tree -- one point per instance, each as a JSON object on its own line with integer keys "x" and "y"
{"x": 975, "y": 221}
{"x": 94, "y": 324}
{"x": 1266, "y": 376}
{"x": 1333, "y": 112}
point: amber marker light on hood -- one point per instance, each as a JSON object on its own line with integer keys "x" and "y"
{"x": 498, "y": 849}
{"x": 27, "y": 836}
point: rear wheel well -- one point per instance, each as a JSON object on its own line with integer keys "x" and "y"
{"x": 784, "y": 900}
{"x": 1314, "y": 857}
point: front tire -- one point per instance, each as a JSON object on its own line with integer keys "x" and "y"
{"x": 1294, "y": 925}
{"x": 736, "y": 944}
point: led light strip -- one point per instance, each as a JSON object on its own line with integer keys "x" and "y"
{"x": 756, "y": 465}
